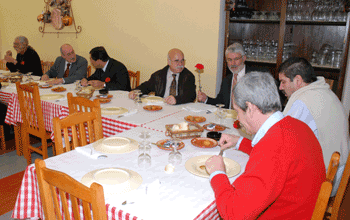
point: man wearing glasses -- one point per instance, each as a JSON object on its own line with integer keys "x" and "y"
{"x": 174, "y": 82}
{"x": 27, "y": 59}
{"x": 235, "y": 58}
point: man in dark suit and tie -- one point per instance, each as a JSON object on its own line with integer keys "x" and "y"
{"x": 235, "y": 58}
{"x": 67, "y": 68}
{"x": 174, "y": 82}
{"x": 110, "y": 73}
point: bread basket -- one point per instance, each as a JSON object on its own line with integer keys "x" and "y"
{"x": 85, "y": 93}
{"x": 195, "y": 130}
{"x": 15, "y": 79}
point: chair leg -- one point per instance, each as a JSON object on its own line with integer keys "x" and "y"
{"x": 2, "y": 136}
{"x": 44, "y": 148}
{"x": 27, "y": 153}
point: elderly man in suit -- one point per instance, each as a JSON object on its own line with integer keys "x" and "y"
{"x": 174, "y": 82}
{"x": 67, "y": 68}
{"x": 110, "y": 73}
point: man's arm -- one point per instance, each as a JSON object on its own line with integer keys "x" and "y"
{"x": 79, "y": 72}
{"x": 188, "y": 87}
{"x": 224, "y": 95}
{"x": 54, "y": 70}
{"x": 119, "y": 76}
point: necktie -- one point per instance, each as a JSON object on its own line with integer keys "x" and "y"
{"x": 234, "y": 82}
{"x": 66, "y": 73}
{"x": 173, "y": 86}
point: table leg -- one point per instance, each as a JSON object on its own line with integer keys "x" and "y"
{"x": 18, "y": 138}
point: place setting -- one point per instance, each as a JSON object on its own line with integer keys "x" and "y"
{"x": 118, "y": 111}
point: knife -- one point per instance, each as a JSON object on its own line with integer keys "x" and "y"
{"x": 220, "y": 125}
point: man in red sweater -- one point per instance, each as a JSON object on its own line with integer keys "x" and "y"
{"x": 285, "y": 170}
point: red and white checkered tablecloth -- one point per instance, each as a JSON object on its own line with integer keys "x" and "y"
{"x": 4, "y": 97}
{"x": 28, "y": 203}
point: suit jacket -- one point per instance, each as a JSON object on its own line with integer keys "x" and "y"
{"x": 28, "y": 62}
{"x": 224, "y": 95}
{"x": 118, "y": 74}
{"x": 186, "y": 91}
{"x": 77, "y": 70}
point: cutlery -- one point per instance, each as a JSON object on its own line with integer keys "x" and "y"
{"x": 220, "y": 125}
{"x": 208, "y": 112}
{"x": 120, "y": 116}
{"x": 125, "y": 202}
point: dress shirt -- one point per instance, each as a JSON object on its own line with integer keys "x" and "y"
{"x": 105, "y": 67}
{"x": 271, "y": 121}
{"x": 169, "y": 79}
{"x": 239, "y": 76}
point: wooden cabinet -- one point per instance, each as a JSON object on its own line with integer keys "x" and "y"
{"x": 269, "y": 40}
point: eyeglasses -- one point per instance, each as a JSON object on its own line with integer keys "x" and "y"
{"x": 234, "y": 59}
{"x": 179, "y": 61}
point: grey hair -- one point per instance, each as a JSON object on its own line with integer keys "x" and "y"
{"x": 235, "y": 48}
{"x": 22, "y": 40}
{"x": 258, "y": 88}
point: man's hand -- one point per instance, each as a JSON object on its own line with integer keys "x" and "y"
{"x": 170, "y": 100}
{"x": 96, "y": 83}
{"x": 228, "y": 140}
{"x": 84, "y": 82}
{"x": 201, "y": 96}
{"x": 55, "y": 82}
{"x": 45, "y": 77}
{"x": 215, "y": 163}
{"x": 132, "y": 95}
{"x": 8, "y": 57}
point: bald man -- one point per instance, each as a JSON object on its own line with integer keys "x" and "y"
{"x": 67, "y": 68}
{"x": 27, "y": 59}
{"x": 174, "y": 83}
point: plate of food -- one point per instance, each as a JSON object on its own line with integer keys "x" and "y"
{"x": 45, "y": 86}
{"x": 213, "y": 127}
{"x": 32, "y": 84}
{"x": 104, "y": 96}
{"x": 152, "y": 99}
{"x": 203, "y": 142}
{"x": 165, "y": 145}
{"x": 195, "y": 119}
{"x": 152, "y": 108}
{"x": 58, "y": 89}
{"x": 104, "y": 100}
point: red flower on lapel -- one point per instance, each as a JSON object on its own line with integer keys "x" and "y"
{"x": 22, "y": 63}
{"x": 107, "y": 79}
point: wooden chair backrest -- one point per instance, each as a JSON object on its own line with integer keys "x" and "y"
{"x": 326, "y": 188}
{"x": 81, "y": 104}
{"x": 50, "y": 180}
{"x": 88, "y": 74}
{"x": 31, "y": 111}
{"x": 46, "y": 65}
{"x": 134, "y": 78}
{"x": 3, "y": 65}
{"x": 85, "y": 128}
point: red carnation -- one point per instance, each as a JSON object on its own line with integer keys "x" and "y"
{"x": 237, "y": 124}
{"x": 107, "y": 79}
{"x": 22, "y": 63}
{"x": 199, "y": 66}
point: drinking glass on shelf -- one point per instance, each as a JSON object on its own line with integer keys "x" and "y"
{"x": 175, "y": 157}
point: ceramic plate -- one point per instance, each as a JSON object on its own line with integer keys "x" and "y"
{"x": 113, "y": 110}
{"x": 152, "y": 108}
{"x": 230, "y": 113}
{"x": 113, "y": 180}
{"x": 151, "y": 99}
{"x": 216, "y": 128}
{"x": 59, "y": 89}
{"x": 194, "y": 164}
{"x": 45, "y": 86}
{"x": 4, "y": 84}
{"x": 109, "y": 96}
{"x": 161, "y": 142}
{"x": 51, "y": 96}
{"x": 195, "y": 119}
{"x": 104, "y": 100}
{"x": 203, "y": 142}
{"x": 115, "y": 145}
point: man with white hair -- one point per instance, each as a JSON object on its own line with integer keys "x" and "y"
{"x": 174, "y": 82}
{"x": 235, "y": 58}
{"x": 285, "y": 170}
{"x": 27, "y": 59}
{"x": 67, "y": 68}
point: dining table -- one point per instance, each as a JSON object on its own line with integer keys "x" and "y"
{"x": 179, "y": 193}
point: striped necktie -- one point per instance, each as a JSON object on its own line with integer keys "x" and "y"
{"x": 173, "y": 86}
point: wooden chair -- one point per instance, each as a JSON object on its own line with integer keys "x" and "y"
{"x": 33, "y": 120}
{"x": 51, "y": 180}
{"x": 79, "y": 124}
{"x": 2, "y": 136}
{"x": 326, "y": 188}
{"x": 81, "y": 104}
{"x": 45, "y": 66}
{"x": 134, "y": 78}
{"x": 88, "y": 74}
{"x": 3, "y": 65}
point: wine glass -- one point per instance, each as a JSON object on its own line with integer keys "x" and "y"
{"x": 137, "y": 99}
{"x": 144, "y": 161}
{"x": 175, "y": 157}
{"x": 144, "y": 135}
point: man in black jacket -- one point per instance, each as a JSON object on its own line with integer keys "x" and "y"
{"x": 235, "y": 58}
{"x": 174, "y": 82}
{"x": 27, "y": 59}
{"x": 109, "y": 73}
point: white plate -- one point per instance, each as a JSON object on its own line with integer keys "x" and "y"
{"x": 152, "y": 99}
{"x": 51, "y": 96}
{"x": 115, "y": 145}
{"x": 113, "y": 110}
{"x": 113, "y": 180}
{"x": 193, "y": 166}
{"x": 5, "y": 72}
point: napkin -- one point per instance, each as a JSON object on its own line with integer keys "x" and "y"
{"x": 131, "y": 112}
{"x": 87, "y": 152}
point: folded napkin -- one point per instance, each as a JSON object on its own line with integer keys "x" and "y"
{"x": 86, "y": 151}
{"x": 131, "y": 112}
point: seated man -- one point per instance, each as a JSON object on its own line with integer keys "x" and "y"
{"x": 27, "y": 59}
{"x": 110, "y": 73}
{"x": 285, "y": 171}
{"x": 235, "y": 58}
{"x": 313, "y": 102}
{"x": 174, "y": 82}
{"x": 67, "y": 68}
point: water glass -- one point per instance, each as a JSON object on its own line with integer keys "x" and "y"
{"x": 175, "y": 157}
{"x": 144, "y": 135}
{"x": 144, "y": 161}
